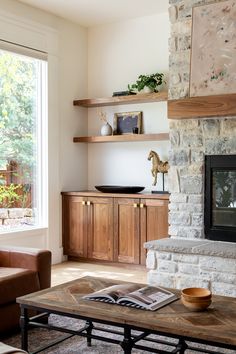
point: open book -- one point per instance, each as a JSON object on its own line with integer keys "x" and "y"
{"x": 148, "y": 297}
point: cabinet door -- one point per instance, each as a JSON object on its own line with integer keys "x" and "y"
{"x": 100, "y": 228}
{"x": 74, "y": 226}
{"x": 154, "y": 222}
{"x": 126, "y": 230}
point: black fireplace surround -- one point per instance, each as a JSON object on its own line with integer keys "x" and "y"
{"x": 220, "y": 198}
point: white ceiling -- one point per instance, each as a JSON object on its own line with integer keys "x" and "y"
{"x": 95, "y": 12}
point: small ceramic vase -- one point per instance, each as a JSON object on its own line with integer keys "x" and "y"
{"x": 106, "y": 129}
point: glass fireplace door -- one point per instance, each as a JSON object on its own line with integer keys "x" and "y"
{"x": 220, "y": 197}
{"x": 224, "y": 198}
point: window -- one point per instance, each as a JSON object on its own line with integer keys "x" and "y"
{"x": 23, "y": 139}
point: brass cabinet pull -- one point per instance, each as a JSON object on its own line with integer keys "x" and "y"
{"x": 141, "y": 205}
{"x": 135, "y": 205}
{"x": 86, "y": 203}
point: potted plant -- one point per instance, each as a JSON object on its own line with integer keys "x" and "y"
{"x": 147, "y": 83}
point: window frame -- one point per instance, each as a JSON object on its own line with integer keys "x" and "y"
{"x": 41, "y": 173}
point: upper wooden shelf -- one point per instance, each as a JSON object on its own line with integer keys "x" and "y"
{"x": 119, "y": 100}
{"x": 121, "y": 138}
{"x": 203, "y": 107}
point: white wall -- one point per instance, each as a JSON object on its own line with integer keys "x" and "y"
{"x": 117, "y": 54}
{"x": 112, "y": 56}
{"x": 66, "y": 44}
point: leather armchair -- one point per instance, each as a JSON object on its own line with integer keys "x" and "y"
{"x": 22, "y": 271}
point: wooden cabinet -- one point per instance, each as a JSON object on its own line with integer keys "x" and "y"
{"x": 112, "y": 227}
{"x": 126, "y": 230}
{"x": 88, "y": 227}
{"x": 137, "y": 221}
{"x": 75, "y": 221}
{"x": 100, "y": 228}
{"x": 153, "y": 222}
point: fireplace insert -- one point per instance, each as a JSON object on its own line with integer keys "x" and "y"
{"x": 220, "y": 197}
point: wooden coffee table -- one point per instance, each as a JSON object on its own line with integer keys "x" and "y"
{"x": 216, "y": 326}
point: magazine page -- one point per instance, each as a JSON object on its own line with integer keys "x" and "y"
{"x": 148, "y": 297}
{"x": 112, "y": 293}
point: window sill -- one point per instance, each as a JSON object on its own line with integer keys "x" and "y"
{"x": 30, "y": 231}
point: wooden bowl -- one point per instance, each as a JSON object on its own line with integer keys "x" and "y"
{"x": 196, "y": 299}
{"x": 200, "y": 305}
{"x": 196, "y": 294}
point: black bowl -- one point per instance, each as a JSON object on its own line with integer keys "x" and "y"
{"x": 120, "y": 189}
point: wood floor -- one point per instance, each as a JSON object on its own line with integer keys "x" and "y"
{"x": 64, "y": 272}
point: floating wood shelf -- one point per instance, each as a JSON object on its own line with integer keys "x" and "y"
{"x": 203, "y": 107}
{"x": 121, "y": 138}
{"x": 119, "y": 100}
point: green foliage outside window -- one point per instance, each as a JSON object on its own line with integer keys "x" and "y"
{"x": 17, "y": 96}
{"x": 17, "y": 126}
{"x": 9, "y": 195}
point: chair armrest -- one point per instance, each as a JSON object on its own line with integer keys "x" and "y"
{"x": 28, "y": 258}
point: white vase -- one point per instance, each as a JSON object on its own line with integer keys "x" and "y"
{"x": 106, "y": 129}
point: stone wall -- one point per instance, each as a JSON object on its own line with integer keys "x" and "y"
{"x": 186, "y": 263}
{"x": 186, "y": 259}
{"x": 190, "y": 139}
{"x": 13, "y": 217}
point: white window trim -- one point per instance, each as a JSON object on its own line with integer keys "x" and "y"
{"x": 23, "y": 50}
{"x": 30, "y": 230}
{"x": 22, "y": 31}
{"x": 41, "y": 173}
{"x": 42, "y": 151}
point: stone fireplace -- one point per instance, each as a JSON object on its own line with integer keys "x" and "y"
{"x": 188, "y": 258}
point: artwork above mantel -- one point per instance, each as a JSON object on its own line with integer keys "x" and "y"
{"x": 203, "y": 107}
{"x": 213, "y": 65}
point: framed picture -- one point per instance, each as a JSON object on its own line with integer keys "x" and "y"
{"x": 213, "y": 53}
{"x": 127, "y": 123}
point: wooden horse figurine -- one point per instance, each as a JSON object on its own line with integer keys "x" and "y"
{"x": 157, "y": 165}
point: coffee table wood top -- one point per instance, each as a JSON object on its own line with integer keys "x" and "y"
{"x": 217, "y": 323}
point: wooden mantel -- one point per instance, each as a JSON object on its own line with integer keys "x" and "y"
{"x": 203, "y": 107}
